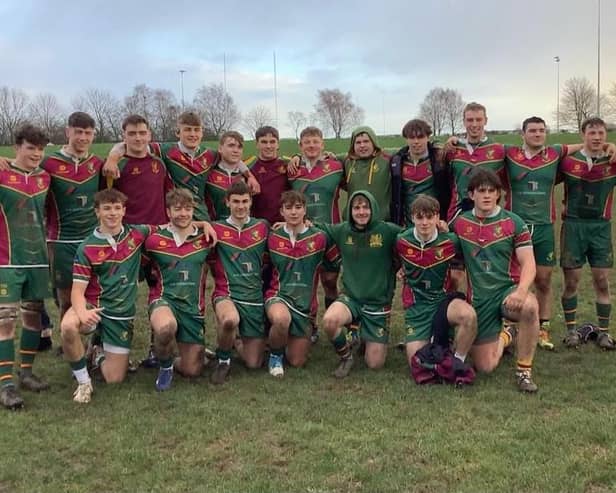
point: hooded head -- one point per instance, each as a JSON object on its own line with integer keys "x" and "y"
{"x": 371, "y": 135}
{"x": 360, "y": 210}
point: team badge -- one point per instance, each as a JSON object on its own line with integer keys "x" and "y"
{"x": 576, "y": 167}
{"x": 410, "y": 251}
{"x": 155, "y": 167}
{"x": 261, "y": 170}
{"x": 281, "y": 244}
{"x": 219, "y": 178}
{"x": 162, "y": 243}
{"x": 226, "y": 234}
{"x": 4, "y": 289}
{"x": 310, "y": 246}
{"x": 13, "y": 179}
{"x": 490, "y": 154}
{"x": 101, "y": 253}
{"x": 40, "y": 183}
{"x": 438, "y": 253}
{"x": 380, "y": 332}
{"x": 256, "y": 235}
{"x": 62, "y": 168}
{"x": 520, "y": 156}
{"x": 197, "y": 244}
{"x": 410, "y": 331}
{"x": 498, "y": 231}
{"x": 131, "y": 244}
{"x": 124, "y": 335}
{"x": 349, "y": 240}
{"x": 136, "y": 171}
{"x": 282, "y": 169}
{"x": 375, "y": 241}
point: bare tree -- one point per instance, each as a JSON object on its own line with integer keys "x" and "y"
{"x": 454, "y": 109}
{"x": 103, "y": 107}
{"x": 433, "y": 109}
{"x": 337, "y": 112}
{"x": 610, "y": 105}
{"x": 297, "y": 120}
{"x": 217, "y": 108}
{"x": 578, "y": 101}
{"x": 45, "y": 111}
{"x": 256, "y": 118}
{"x": 140, "y": 101}
{"x": 13, "y": 107}
{"x": 164, "y": 113}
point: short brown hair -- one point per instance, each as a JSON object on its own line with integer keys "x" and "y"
{"x": 189, "y": 118}
{"x": 179, "y": 196}
{"x": 134, "y": 120}
{"x": 484, "y": 177}
{"x": 79, "y": 119}
{"x": 232, "y": 134}
{"x": 311, "y": 132}
{"x": 474, "y": 106}
{"x": 416, "y": 128}
{"x": 362, "y": 197}
{"x": 425, "y": 205}
{"x": 109, "y": 196}
{"x": 238, "y": 188}
{"x": 291, "y": 197}
{"x": 32, "y": 134}
{"x": 593, "y": 121}
{"x": 265, "y": 130}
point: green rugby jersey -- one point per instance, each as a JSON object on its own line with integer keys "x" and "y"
{"x": 463, "y": 159}
{"x": 321, "y": 187}
{"x": 179, "y": 268}
{"x": 589, "y": 187}
{"x": 70, "y": 202}
{"x": 531, "y": 181}
{"x": 295, "y": 266}
{"x": 188, "y": 170}
{"x": 110, "y": 267}
{"x": 219, "y": 180}
{"x": 489, "y": 246}
{"x": 417, "y": 177}
{"x": 22, "y": 217}
{"x": 237, "y": 260}
{"x": 426, "y": 266}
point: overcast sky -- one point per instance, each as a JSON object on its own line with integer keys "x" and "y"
{"x": 388, "y": 53}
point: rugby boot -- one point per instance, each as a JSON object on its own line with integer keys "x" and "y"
{"x": 344, "y": 367}
{"x": 164, "y": 379}
{"x": 10, "y": 398}
{"x": 221, "y": 372}
{"x": 275, "y": 365}
{"x": 83, "y": 393}
{"x": 30, "y": 381}
{"x": 605, "y": 341}
{"x": 525, "y": 382}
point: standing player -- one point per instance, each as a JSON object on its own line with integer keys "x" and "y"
{"x": 296, "y": 252}
{"x": 236, "y": 265}
{"x": 270, "y": 171}
{"x": 426, "y": 255}
{"x": 177, "y": 300}
{"x": 226, "y": 172}
{"x": 500, "y": 265}
{"x": 589, "y": 180}
{"x": 24, "y": 268}
{"x": 366, "y": 248}
{"x": 104, "y": 293}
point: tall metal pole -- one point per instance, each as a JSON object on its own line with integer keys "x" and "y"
{"x": 275, "y": 91}
{"x": 598, "y": 57}
{"x": 557, "y": 60}
{"x": 224, "y": 81}
{"x": 182, "y": 87}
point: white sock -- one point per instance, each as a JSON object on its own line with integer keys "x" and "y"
{"x": 82, "y": 375}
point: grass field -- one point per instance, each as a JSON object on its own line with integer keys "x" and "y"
{"x": 373, "y": 432}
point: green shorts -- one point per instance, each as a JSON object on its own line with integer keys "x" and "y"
{"x": 117, "y": 332}
{"x": 586, "y": 240}
{"x": 24, "y": 283}
{"x": 190, "y": 325}
{"x": 544, "y": 246}
{"x": 373, "y": 320}
{"x": 61, "y": 258}
{"x": 301, "y": 325}
{"x": 252, "y": 317}
{"x": 490, "y": 315}
{"x": 419, "y": 319}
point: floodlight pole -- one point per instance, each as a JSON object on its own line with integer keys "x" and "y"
{"x": 182, "y": 87}
{"x": 557, "y": 60}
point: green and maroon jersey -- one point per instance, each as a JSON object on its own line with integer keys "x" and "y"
{"x": 272, "y": 176}
{"x": 179, "y": 268}
{"x": 145, "y": 181}
{"x": 489, "y": 246}
{"x": 219, "y": 180}
{"x": 462, "y": 160}
{"x": 188, "y": 171}
{"x": 417, "y": 177}
{"x": 22, "y": 217}
{"x": 295, "y": 265}
{"x": 110, "y": 267}
{"x": 589, "y": 187}
{"x": 426, "y": 266}
{"x": 238, "y": 259}
{"x": 70, "y": 202}
{"x": 321, "y": 187}
{"x": 530, "y": 183}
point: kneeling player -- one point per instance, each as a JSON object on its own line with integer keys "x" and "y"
{"x": 500, "y": 264}
{"x": 296, "y": 252}
{"x": 426, "y": 255}
{"x": 237, "y": 262}
{"x": 366, "y": 247}
{"x": 104, "y": 293}
{"x": 178, "y": 252}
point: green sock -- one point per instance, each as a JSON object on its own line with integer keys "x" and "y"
{"x": 7, "y": 360}
{"x": 569, "y": 309}
{"x": 277, "y": 351}
{"x": 79, "y": 364}
{"x": 28, "y": 348}
{"x": 223, "y": 354}
{"x": 341, "y": 345}
{"x": 166, "y": 363}
{"x": 603, "y": 315}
